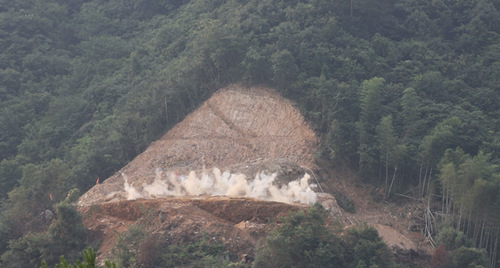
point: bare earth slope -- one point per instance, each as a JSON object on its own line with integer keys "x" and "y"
{"x": 236, "y": 127}
{"x": 244, "y": 130}
{"x": 237, "y": 223}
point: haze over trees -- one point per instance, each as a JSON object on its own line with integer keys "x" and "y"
{"x": 404, "y": 91}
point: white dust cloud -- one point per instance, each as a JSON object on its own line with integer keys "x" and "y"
{"x": 223, "y": 184}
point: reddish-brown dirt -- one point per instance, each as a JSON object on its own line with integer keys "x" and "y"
{"x": 244, "y": 130}
{"x": 237, "y": 126}
{"x": 395, "y": 221}
{"x": 237, "y": 223}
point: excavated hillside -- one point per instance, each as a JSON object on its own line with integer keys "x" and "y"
{"x": 243, "y": 158}
{"x": 245, "y": 130}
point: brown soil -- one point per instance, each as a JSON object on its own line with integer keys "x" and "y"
{"x": 236, "y": 127}
{"x": 244, "y": 130}
{"x": 394, "y": 220}
{"x": 237, "y": 223}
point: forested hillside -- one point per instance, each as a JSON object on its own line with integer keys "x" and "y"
{"x": 406, "y": 92}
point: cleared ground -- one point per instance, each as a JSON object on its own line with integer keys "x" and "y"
{"x": 243, "y": 130}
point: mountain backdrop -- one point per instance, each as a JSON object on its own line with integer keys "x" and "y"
{"x": 401, "y": 94}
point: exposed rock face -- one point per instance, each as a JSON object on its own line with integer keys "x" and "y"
{"x": 245, "y": 130}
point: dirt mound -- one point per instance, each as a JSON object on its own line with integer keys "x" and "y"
{"x": 393, "y": 238}
{"x": 237, "y": 223}
{"x": 239, "y": 128}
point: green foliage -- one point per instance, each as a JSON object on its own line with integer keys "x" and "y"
{"x": 470, "y": 257}
{"x": 92, "y": 83}
{"x": 89, "y": 261}
{"x": 458, "y": 247}
{"x": 65, "y": 236}
{"x": 371, "y": 100}
{"x": 471, "y": 186}
{"x": 441, "y": 137}
{"x": 198, "y": 254}
{"x": 451, "y": 238}
{"x": 10, "y": 173}
{"x": 67, "y": 232}
{"x": 304, "y": 240}
{"x": 371, "y": 112}
{"x": 127, "y": 246}
{"x": 366, "y": 247}
{"x": 27, "y": 251}
{"x": 138, "y": 248}
{"x": 345, "y": 202}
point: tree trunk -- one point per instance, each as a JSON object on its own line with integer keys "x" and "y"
{"x": 459, "y": 218}
{"x": 422, "y": 190}
{"x": 392, "y": 181}
{"x": 386, "y": 166}
{"x": 166, "y": 111}
{"x": 352, "y": 7}
{"x": 420, "y": 175}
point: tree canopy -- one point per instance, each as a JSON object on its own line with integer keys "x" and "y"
{"x": 390, "y": 86}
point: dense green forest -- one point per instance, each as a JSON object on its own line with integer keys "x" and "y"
{"x": 406, "y": 92}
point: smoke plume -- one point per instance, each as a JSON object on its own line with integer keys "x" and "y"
{"x": 216, "y": 183}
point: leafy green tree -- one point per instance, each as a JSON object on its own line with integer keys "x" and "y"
{"x": 67, "y": 232}
{"x": 139, "y": 248}
{"x": 255, "y": 67}
{"x": 284, "y": 68}
{"x": 65, "y": 236}
{"x": 33, "y": 195}
{"x": 127, "y": 247}
{"x": 27, "y": 251}
{"x": 94, "y": 82}
{"x": 10, "y": 173}
{"x": 303, "y": 240}
{"x": 470, "y": 257}
{"x": 434, "y": 146}
{"x": 370, "y": 114}
{"x": 89, "y": 261}
{"x": 365, "y": 247}
{"x": 410, "y": 109}
{"x": 387, "y": 141}
{"x": 452, "y": 239}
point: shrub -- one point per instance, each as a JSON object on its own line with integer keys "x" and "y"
{"x": 452, "y": 238}
{"x": 470, "y": 258}
{"x": 366, "y": 246}
{"x": 303, "y": 240}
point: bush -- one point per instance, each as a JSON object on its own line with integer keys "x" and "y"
{"x": 27, "y": 251}
{"x": 303, "y": 240}
{"x": 126, "y": 248}
{"x": 344, "y": 202}
{"x": 452, "y": 238}
{"x": 89, "y": 261}
{"x": 458, "y": 246}
{"x": 138, "y": 248}
{"x": 470, "y": 258}
{"x": 366, "y": 247}
{"x": 66, "y": 235}
{"x": 196, "y": 254}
